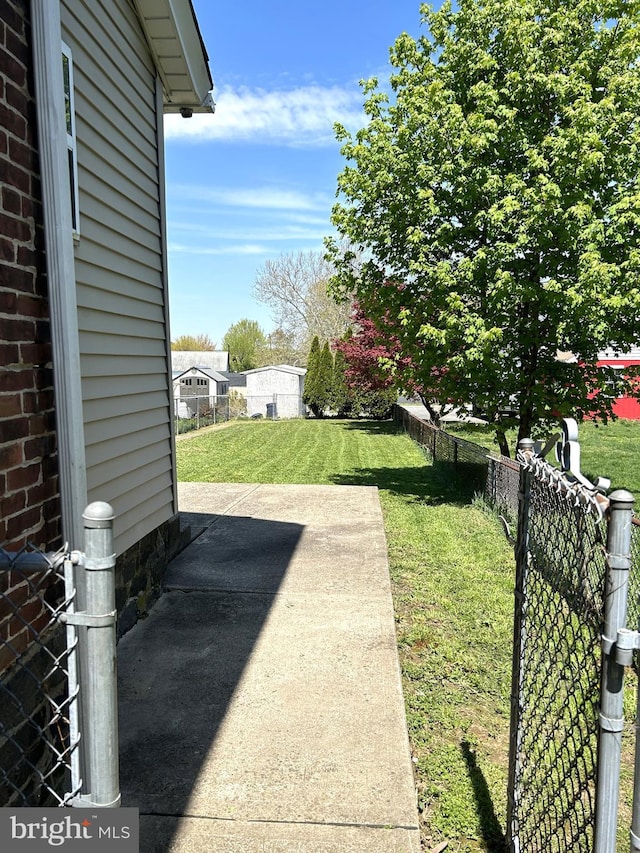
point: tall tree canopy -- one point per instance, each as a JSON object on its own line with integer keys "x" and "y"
{"x": 496, "y": 198}
{"x": 295, "y": 287}
{"x": 244, "y": 341}
{"x": 193, "y": 343}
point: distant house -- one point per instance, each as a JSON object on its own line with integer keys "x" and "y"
{"x": 197, "y": 387}
{"x": 237, "y": 382}
{"x": 624, "y": 407}
{"x": 275, "y": 391}
{"x": 85, "y": 397}
{"x": 182, "y": 360}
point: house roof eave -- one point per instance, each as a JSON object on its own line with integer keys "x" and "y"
{"x": 179, "y": 54}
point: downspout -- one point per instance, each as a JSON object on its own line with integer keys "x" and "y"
{"x": 56, "y": 202}
{"x": 165, "y": 283}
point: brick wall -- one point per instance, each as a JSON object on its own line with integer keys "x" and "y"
{"x": 29, "y": 500}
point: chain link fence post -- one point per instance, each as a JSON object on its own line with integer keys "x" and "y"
{"x": 611, "y": 719}
{"x": 100, "y": 698}
{"x": 521, "y": 553}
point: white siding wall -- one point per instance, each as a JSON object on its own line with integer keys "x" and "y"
{"x": 262, "y": 385}
{"x": 122, "y": 306}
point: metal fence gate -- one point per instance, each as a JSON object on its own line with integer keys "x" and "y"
{"x": 58, "y": 702}
{"x": 570, "y": 649}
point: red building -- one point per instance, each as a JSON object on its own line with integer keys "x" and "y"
{"x": 624, "y": 407}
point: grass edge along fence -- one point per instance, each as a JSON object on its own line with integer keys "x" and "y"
{"x": 496, "y": 477}
{"x": 577, "y": 585}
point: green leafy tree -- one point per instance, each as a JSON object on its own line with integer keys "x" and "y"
{"x": 279, "y": 349}
{"x": 193, "y": 343}
{"x": 341, "y": 396}
{"x": 319, "y": 378}
{"x": 496, "y": 200}
{"x": 244, "y": 340}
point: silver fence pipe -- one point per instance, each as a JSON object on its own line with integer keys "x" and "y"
{"x": 73, "y": 688}
{"x": 611, "y": 718}
{"x": 100, "y": 698}
{"x": 517, "y": 698}
{"x": 635, "y": 818}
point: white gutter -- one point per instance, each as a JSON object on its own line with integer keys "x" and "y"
{"x": 56, "y": 201}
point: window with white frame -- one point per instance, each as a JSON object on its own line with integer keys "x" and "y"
{"x": 70, "y": 121}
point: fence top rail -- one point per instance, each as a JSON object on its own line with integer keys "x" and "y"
{"x": 472, "y": 445}
{"x": 564, "y": 483}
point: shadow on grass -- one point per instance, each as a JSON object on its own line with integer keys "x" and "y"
{"x": 436, "y": 483}
{"x": 492, "y": 833}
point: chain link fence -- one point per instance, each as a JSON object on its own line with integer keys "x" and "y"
{"x": 557, "y": 658}
{"x": 192, "y": 412}
{"x": 572, "y": 750}
{"x": 58, "y": 700}
{"x": 496, "y": 477}
{"x": 37, "y": 741}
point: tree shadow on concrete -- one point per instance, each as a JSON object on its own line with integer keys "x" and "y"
{"x": 179, "y": 668}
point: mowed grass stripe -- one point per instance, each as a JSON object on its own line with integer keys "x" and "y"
{"x": 452, "y": 581}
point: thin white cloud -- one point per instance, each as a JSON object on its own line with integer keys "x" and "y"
{"x": 296, "y": 117}
{"x": 242, "y": 249}
{"x": 254, "y": 233}
{"x": 266, "y": 198}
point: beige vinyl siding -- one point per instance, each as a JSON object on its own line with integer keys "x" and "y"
{"x": 122, "y": 311}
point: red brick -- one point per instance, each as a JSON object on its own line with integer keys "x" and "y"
{"x": 43, "y": 377}
{"x": 14, "y": 429}
{"x": 18, "y": 279}
{"x": 16, "y": 380}
{"x": 21, "y": 153}
{"x": 11, "y": 201}
{"x": 27, "y": 257}
{"x": 37, "y": 495}
{"x": 13, "y": 19}
{"x": 4, "y": 145}
{"x": 10, "y": 66}
{"x": 16, "y": 126}
{"x": 10, "y": 457}
{"x": 13, "y": 504}
{"x": 30, "y": 306}
{"x": 11, "y": 601}
{"x": 36, "y": 448}
{"x": 39, "y": 424}
{"x": 7, "y": 250}
{"x": 31, "y": 610}
{"x": 32, "y": 209}
{"x": 9, "y": 302}
{"x": 24, "y": 525}
{"x": 21, "y": 642}
{"x": 7, "y": 657}
{"x": 21, "y": 478}
{"x": 17, "y": 46}
{"x": 37, "y": 401}
{"x": 9, "y": 355}
{"x": 12, "y": 329}
{"x": 10, "y": 404}
{"x": 14, "y": 175}
{"x": 35, "y": 353}
{"x": 50, "y": 468}
{"x": 17, "y": 229}
{"x": 18, "y": 100}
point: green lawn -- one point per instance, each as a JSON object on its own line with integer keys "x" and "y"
{"x": 606, "y": 451}
{"x": 452, "y": 573}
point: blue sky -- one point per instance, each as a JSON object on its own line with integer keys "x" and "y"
{"x": 258, "y": 178}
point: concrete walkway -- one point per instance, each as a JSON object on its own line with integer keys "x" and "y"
{"x": 261, "y": 705}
